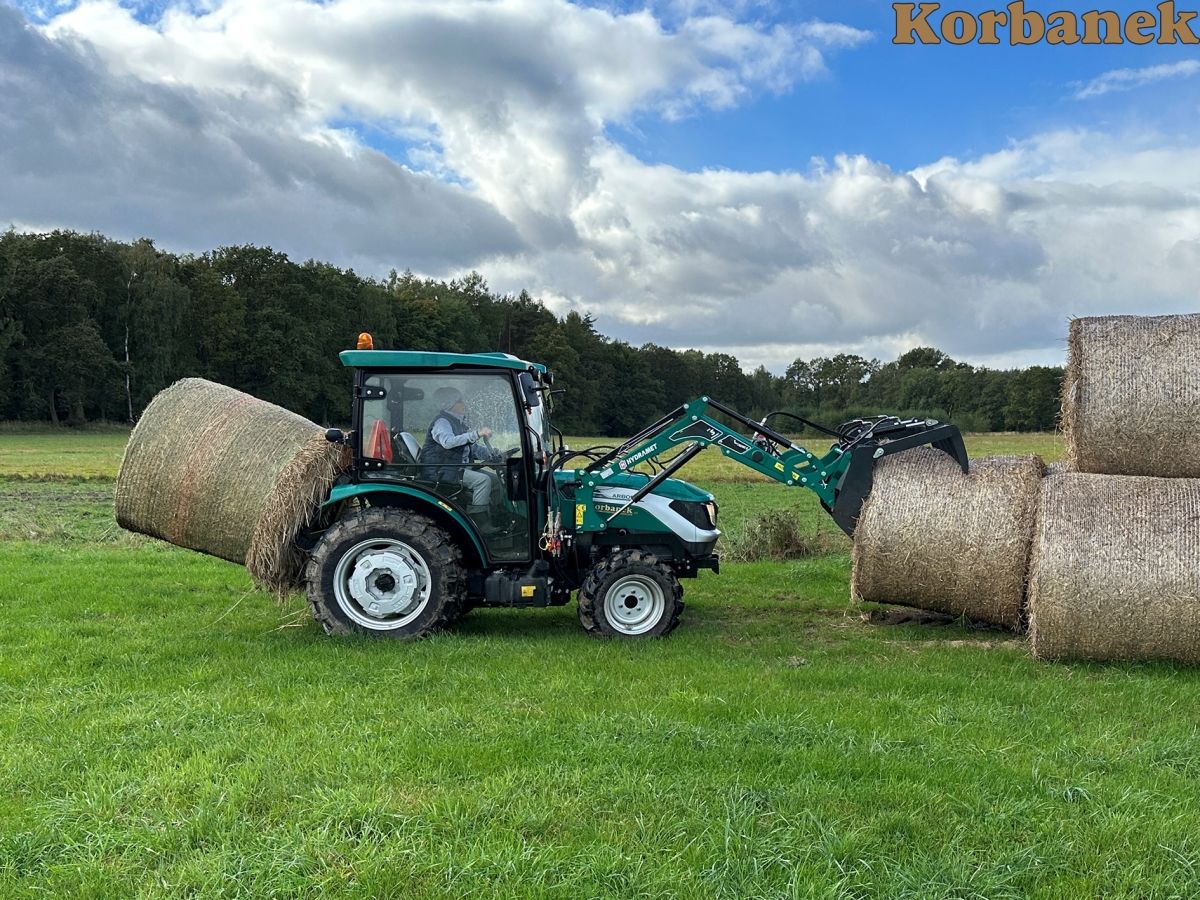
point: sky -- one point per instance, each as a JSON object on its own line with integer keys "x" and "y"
{"x": 772, "y": 180}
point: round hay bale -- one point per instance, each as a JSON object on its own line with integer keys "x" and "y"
{"x": 1130, "y": 394}
{"x": 213, "y": 469}
{"x": 1115, "y": 569}
{"x": 273, "y": 559}
{"x": 931, "y": 537}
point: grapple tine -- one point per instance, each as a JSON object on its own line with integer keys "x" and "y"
{"x": 854, "y": 488}
{"x": 957, "y": 450}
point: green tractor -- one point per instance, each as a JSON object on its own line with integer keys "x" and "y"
{"x": 462, "y": 493}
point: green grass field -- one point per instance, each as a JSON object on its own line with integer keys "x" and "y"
{"x": 165, "y": 730}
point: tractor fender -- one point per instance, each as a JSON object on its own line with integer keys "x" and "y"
{"x": 425, "y": 502}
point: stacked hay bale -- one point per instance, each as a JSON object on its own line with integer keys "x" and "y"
{"x": 1115, "y": 572}
{"x": 1115, "y": 566}
{"x": 1131, "y": 392}
{"x": 216, "y": 470}
{"x": 931, "y": 537}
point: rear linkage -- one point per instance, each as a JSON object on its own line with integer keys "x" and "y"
{"x": 842, "y": 478}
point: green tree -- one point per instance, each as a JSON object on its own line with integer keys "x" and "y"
{"x": 840, "y": 379}
{"x": 924, "y": 358}
{"x": 152, "y": 344}
{"x": 800, "y": 383}
{"x": 55, "y": 323}
{"x": 580, "y": 408}
{"x": 79, "y": 369}
{"x": 1033, "y": 399}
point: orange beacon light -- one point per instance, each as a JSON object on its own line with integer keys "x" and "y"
{"x": 365, "y": 341}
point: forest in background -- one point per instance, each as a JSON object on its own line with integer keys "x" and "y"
{"x": 91, "y": 329}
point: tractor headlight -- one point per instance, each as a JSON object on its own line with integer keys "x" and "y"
{"x": 702, "y": 515}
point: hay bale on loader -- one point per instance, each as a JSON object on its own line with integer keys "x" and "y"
{"x": 1130, "y": 394}
{"x": 213, "y": 469}
{"x": 931, "y": 537}
{"x": 1115, "y": 569}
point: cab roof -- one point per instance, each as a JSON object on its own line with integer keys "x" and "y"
{"x": 417, "y": 359}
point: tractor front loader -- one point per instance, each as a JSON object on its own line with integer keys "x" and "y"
{"x": 416, "y": 533}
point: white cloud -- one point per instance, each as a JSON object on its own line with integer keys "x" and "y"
{"x": 517, "y": 90}
{"x": 229, "y": 126}
{"x": 87, "y": 148}
{"x": 1128, "y": 79}
{"x": 986, "y": 258}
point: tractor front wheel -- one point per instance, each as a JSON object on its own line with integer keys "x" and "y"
{"x": 630, "y": 594}
{"x": 387, "y": 572}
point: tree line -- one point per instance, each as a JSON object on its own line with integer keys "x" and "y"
{"x": 91, "y": 329}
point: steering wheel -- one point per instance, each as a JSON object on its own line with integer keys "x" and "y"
{"x": 498, "y": 457}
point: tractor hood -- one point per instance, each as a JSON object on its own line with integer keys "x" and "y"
{"x": 671, "y": 489}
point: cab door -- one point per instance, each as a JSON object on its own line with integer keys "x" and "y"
{"x": 404, "y": 406}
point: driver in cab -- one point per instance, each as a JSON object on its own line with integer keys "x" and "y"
{"x": 452, "y": 444}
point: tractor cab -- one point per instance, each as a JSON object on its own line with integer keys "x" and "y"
{"x": 467, "y": 431}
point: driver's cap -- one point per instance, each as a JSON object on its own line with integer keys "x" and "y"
{"x": 447, "y": 396}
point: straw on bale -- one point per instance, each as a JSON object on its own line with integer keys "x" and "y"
{"x": 1130, "y": 394}
{"x": 216, "y": 470}
{"x": 1115, "y": 568}
{"x": 931, "y": 537}
{"x": 273, "y": 559}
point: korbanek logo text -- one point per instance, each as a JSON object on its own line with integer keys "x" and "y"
{"x": 925, "y": 23}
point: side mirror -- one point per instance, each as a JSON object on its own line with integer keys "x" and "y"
{"x": 335, "y": 436}
{"x": 529, "y": 390}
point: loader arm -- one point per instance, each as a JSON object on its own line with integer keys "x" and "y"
{"x": 841, "y": 478}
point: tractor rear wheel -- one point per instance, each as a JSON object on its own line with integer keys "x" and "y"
{"x": 631, "y": 594}
{"x": 387, "y": 572}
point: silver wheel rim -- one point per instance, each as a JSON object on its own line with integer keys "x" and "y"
{"x": 382, "y": 584}
{"x": 634, "y": 604}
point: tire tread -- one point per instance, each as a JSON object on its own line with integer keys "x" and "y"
{"x": 445, "y": 554}
{"x": 591, "y": 597}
